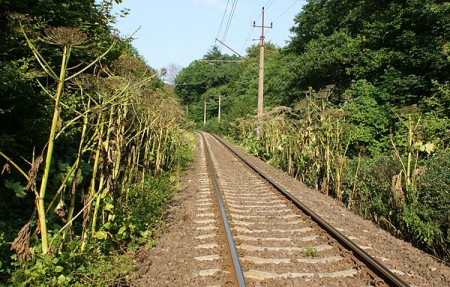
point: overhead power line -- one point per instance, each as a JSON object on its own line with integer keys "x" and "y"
{"x": 223, "y": 18}
{"x": 285, "y": 11}
{"x": 269, "y": 4}
{"x": 248, "y": 38}
{"x": 230, "y": 19}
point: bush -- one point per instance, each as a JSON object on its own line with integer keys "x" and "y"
{"x": 137, "y": 219}
{"x": 434, "y": 200}
{"x": 371, "y": 195}
{"x": 92, "y": 268}
{"x": 133, "y": 223}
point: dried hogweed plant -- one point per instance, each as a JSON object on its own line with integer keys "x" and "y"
{"x": 65, "y": 36}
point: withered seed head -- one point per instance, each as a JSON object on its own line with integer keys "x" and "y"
{"x": 65, "y": 36}
{"x": 17, "y": 16}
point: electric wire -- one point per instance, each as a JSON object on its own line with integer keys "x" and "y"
{"x": 223, "y": 18}
{"x": 252, "y": 29}
{"x": 230, "y": 18}
{"x": 269, "y": 4}
{"x": 250, "y": 33}
{"x": 284, "y": 12}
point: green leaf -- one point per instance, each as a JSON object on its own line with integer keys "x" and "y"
{"x": 16, "y": 187}
{"x": 59, "y": 269}
{"x": 48, "y": 260}
{"x": 122, "y": 230}
{"x": 102, "y": 235}
{"x": 62, "y": 279}
{"x": 430, "y": 147}
{"x": 108, "y": 207}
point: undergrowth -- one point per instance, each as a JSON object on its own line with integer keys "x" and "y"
{"x": 105, "y": 262}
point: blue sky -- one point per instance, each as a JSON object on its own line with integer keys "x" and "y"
{"x": 181, "y": 31}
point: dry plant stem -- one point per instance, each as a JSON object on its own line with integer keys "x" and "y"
{"x": 61, "y": 187}
{"x": 49, "y": 155}
{"x": 47, "y": 68}
{"x": 339, "y": 158}
{"x": 92, "y": 189}
{"x": 9, "y": 160}
{"x": 53, "y": 129}
{"x": 355, "y": 181}
{"x": 105, "y": 145}
{"x": 146, "y": 163}
{"x": 129, "y": 176}
{"x": 69, "y": 223}
{"x": 81, "y": 150}
{"x": 408, "y": 168}
{"x": 119, "y": 142}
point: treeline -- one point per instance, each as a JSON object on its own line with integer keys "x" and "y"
{"x": 357, "y": 105}
{"x": 88, "y": 135}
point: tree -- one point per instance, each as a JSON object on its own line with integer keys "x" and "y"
{"x": 213, "y": 71}
{"x": 397, "y": 46}
{"x": 172, "y": 70}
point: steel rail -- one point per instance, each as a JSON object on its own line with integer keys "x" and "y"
{"x": 238, "y": 273}
{"x": 376, "y": 267}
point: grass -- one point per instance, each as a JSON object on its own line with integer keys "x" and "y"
{"x": 310, "y": 252}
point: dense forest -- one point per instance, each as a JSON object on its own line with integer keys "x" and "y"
{"x": 356, "y": 105}
{"x": 90, "y": 141}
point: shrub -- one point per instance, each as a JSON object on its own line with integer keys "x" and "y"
{"x": 371, "y": 194}
{"x": 92, "y": 268}
{"x": 434, "y": 201}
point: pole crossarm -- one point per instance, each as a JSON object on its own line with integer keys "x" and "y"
{"x": 262, "y": 26}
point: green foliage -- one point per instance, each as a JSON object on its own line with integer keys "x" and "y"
{"x": 280, "y": 71}
{"x": 326, "y": 60}
{"x": 136, "y": 220}
{"x": 115, "y": 126}
{"x": 213, "y": 126}
{"x": 236, "y": 80}
{"x": 434, "y": 200}
{"x": 368, "y": 120}
{"x": 394, "y": 188}
{"x": 241, "y": 99}
{"x": 93, "y": 268}
{"x": 370, "y": 192}
{"x": 397, "y": 46}
{"x": 2, "y": 245}
{"x": 17, "y": 187}
{"x": 213, "y": 71}
{"x": 310, "y": 252}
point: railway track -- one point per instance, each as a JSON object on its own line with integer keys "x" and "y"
{"x": 251, "y": 232}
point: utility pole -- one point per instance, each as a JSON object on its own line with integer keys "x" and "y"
{"x": 218, "y": 116}
{"x": 261, "y": 66}
{"x": 204, "y": 112}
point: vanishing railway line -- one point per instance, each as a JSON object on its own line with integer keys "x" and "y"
{"x": 251, "y": 232}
